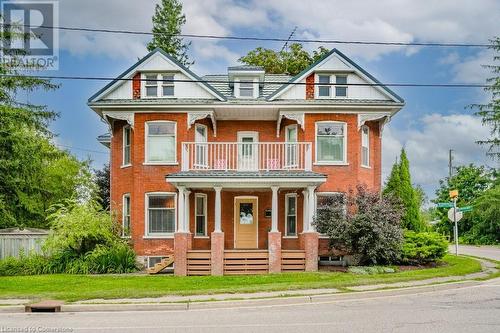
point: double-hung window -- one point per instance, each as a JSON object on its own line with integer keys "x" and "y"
{"x": 168, "y": 85}
{"x": 291, "y": 146}
{"x": 160, "y": 214}
{"x": 246, "y": 89}
{"x": 340, "y": 85}
{"x": 160, "y": 142}
{"x": 201, "y": 215}
{"x": 291, "y": 215}
{"x": 151, "y": 85}
{"x": 324, "y": 90}
{"x": 126, "y": 145}
{"x": 331, "y": 143}
{"x": 126, "y": 216}
{"x": 365, "y": 146}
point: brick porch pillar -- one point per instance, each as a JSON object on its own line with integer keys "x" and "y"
{"x": 274, "y": 241}
{"x": 217, "y": 253}
{"x": 309, "y": 242}
{"x": 182, "y": 243}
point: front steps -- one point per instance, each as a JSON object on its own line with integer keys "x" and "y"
{"x": 164, "y": 263}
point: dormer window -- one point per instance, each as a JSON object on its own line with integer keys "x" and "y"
{"x": 327, "y": 90}
{"x": 159, "y": 85}
{"x": 246, "y": 89}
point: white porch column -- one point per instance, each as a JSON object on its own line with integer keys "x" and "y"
{"x": 180, "y": 210}
{"x": 305, "y": 212}
{"x": 311, "y": 207}
{"x": 186, "y": 210}
{"x": 274, "y": 209}
{"x": 218, "y": 223}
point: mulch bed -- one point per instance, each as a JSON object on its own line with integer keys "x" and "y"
{"x": 400, "y": 268}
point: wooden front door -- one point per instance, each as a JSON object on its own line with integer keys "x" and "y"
{"x": 245, "y": 223}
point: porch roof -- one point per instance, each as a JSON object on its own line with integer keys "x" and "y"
{"x": 290, "y": 178}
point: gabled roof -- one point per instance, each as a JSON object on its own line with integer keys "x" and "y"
{"x": 333, "y": 51}
{"x": 183, "y": 68}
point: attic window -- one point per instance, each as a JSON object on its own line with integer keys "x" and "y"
{"x": 159, "y": 85}
{"x": 326, "y": 89}
{"x": 246, "y": 89}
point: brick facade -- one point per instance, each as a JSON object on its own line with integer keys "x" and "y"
{"x": 139, "y": 179}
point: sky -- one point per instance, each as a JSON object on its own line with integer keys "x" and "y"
{"x": 433, "y": 121}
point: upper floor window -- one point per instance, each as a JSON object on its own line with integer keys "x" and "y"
{"x": 159, "y": 85}
{"x": 126, "y": 145}
{"x": 160, "y": 208}
{"x": 246, "y": 89}
{"x": 326, "y": 89}
{"x": 126, "y": 216}
{"x": 161, "y": 142}
{"x": 365, "y": 146}
{"x": 331, "y": 142}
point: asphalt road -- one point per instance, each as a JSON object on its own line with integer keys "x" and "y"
{"x": 490, "y": 252}
{"x": 466, "y": 309}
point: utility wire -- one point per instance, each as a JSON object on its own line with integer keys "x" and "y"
{"x": 99, "y": 78}
{"x": 255, "y": 38}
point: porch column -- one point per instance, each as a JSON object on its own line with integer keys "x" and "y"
{"x": 309, "y": 238}
{"x": 218, "y": 223}
{"x": 311, "y": 207}
{"x": 217, "y": 238}
{"x": 305, "y": 211}
{"x": 186, "y": 211}
{"x": 182, "y": 238}
{"x": 274, "y": 209}
{"x": 274, "y": 236}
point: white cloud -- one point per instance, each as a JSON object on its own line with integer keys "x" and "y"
{"x": 470, "y": 69}
{"x": 427, "y": 147}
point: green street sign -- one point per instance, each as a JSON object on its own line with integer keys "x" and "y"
{"x": 465, "y": 209}
{"x": 445, "y": 204}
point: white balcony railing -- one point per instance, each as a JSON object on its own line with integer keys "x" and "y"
{"x": 246, "y": 156}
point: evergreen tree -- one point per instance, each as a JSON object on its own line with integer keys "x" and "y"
{"x": 490, "y": 112}
{"x": 167, "y": 25}
{"x": 399, "y": 186}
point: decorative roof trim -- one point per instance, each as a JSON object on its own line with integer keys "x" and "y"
{"x": 360, "y": 70}
{"x": 194, "y": 116}
{"x": 297, "y": 116}
{"x": 130, "y": 71}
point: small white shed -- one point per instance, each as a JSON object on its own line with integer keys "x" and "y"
{"x": 14, "y": 241}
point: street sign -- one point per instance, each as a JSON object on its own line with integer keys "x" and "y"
{"x": 458, "y": 215}
{"x": 453, "y": 194}
{"x": 465, "y": 209}
{"x": 445, "y": 204}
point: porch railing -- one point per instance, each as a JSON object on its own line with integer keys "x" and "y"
{"x": 246, "y": 156}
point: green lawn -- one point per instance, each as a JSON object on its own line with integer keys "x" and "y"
{"x": 78, "y": 287}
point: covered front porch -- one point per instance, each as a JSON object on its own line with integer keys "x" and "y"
{"x": 245, "y": 222}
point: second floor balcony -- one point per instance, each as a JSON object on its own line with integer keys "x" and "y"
{"x": 246, "y": 156}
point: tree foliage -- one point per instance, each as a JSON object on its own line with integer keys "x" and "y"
{"x": 167, "y": 25}
{"x": 471, "y": 182}
{"x": 364, "y": 224}
{"x": 33, "y": 172}
{"x": 399, "y": 186}
{"x": 103, "y": 182}
{"x": 291, "y": 61}
{"x": 490, "y": 112}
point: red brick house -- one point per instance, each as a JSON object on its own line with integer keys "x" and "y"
{"x": 225, "y": 171}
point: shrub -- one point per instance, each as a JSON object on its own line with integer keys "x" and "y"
{"x": 363, "y": 223}
{"x": 423, "y": 247}
{"x": 370, "y": 270}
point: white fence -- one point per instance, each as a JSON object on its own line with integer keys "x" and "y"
{"x": 246, "y": 156}
{"x": 15, "y": 242}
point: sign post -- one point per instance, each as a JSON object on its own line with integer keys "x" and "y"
{"x": 454, "y": 196}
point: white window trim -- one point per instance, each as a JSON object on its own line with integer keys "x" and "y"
{"x": 126, "y": 195}
{"x": 368, "y": 146}
{"x": 201, "y": 142}
{"x": 288, "y": 195}
{"x": 148, "y": 260}
{"x": 146, "y": 134}
{"x": 147, "y": 235}
{"x": 255, "y": 93}
{"x": 124, "y": 165}
{"x": 287, "y": 140}
{"x": 333, "y": 84}
{"x": 316, "y": 161}
{"x": 316, "y": 194}
{"x": 205, "y": 198}
{"x": 159, "y": 85}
